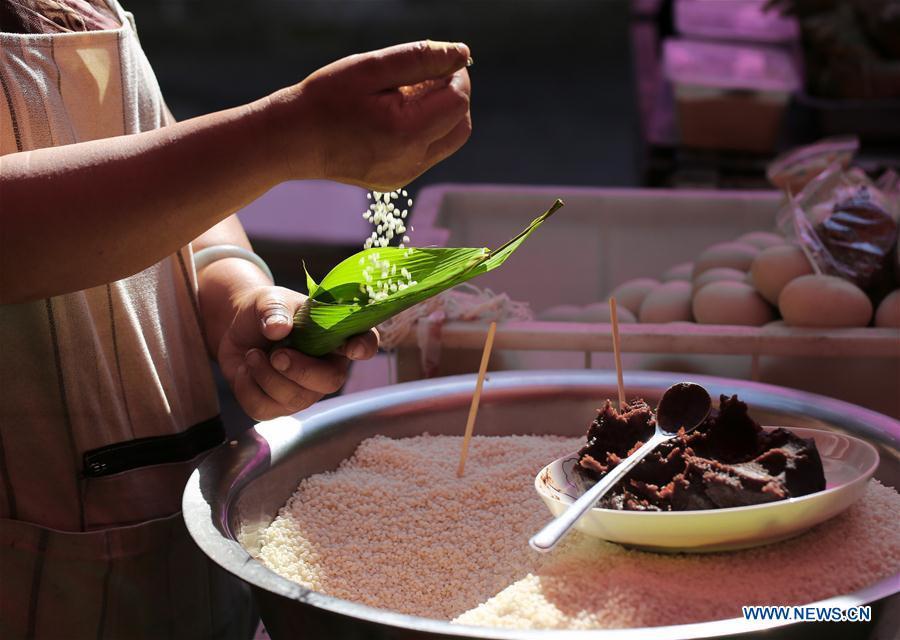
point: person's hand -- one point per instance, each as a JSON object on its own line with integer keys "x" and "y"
{"x": 268, "y": 385}
{"x": 376, "y": 119}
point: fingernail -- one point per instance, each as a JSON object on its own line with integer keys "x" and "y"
{"x": 353, "y": 350}
{"x": 276, "y": 318}
{"x": 281, "y": 361}
{"x": 462, "y": 47}
{"x": 255, "y": 357}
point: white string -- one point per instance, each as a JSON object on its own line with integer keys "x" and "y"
{"x": 464, "y": 302}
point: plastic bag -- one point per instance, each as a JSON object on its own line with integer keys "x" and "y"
{"x": 847, "y": 226}
{"x": 792, "y": 170}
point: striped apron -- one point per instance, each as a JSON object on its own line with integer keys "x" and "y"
{"x": 107, "y": 400}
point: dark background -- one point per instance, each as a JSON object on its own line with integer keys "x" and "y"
{"x": 553, "y": 83}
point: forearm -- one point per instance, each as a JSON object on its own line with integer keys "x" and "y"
{"x": 94, "y": 212}
{"x": 81, "y": 215}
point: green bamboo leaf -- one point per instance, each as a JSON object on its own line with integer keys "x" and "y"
{"x": 310, "y": 283}
{"x": 341, "y": 285}
{"x": 338, "y": 306}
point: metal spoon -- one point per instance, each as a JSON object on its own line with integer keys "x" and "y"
{"x": 683, "y": 405}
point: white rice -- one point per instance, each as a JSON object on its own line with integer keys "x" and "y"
{"x": 394, "y": 527}
{"x": 388, "y": 218}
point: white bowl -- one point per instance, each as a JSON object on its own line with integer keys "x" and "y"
{"x": 848, "y": 463}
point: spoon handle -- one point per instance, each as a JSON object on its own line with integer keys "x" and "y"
{"x": 548, "y": 537}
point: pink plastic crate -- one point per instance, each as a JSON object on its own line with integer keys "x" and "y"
{"x": 744, "y": 20}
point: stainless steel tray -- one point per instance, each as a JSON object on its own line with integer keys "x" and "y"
{"x": 238, "y": 489}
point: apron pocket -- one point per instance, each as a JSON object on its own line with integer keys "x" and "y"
{"x": 137, "y": 495}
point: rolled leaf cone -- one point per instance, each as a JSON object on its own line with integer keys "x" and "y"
{"x": 337, "y": 307}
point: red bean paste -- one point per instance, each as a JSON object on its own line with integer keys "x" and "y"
{"x": 727, "y": 461}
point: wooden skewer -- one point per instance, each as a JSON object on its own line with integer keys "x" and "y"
{"x": 473, "y": 409}
{"x": 614, "y": 321}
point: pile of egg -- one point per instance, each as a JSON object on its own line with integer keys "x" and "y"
{"x": 757, "y": 279}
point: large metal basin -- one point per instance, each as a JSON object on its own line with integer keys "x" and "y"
{"x": 239, "y": 488}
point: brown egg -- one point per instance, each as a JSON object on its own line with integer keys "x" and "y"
{"x": 717, "y": 274}
{"x": 888, "y": 313}
{"x": 560, "y": 313}
{"x": 730, "y": 302}
{"x": 669, "y": 302}
{"x": 775, "y": 267}
{"x": 681, "y": 271}
{"x": 824, "y": 301}
{"x": 735, "y": 255}
{"x": 762, "y": 239}
{"x": 599, "y": 312}
{"x": 632, "y": 293}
